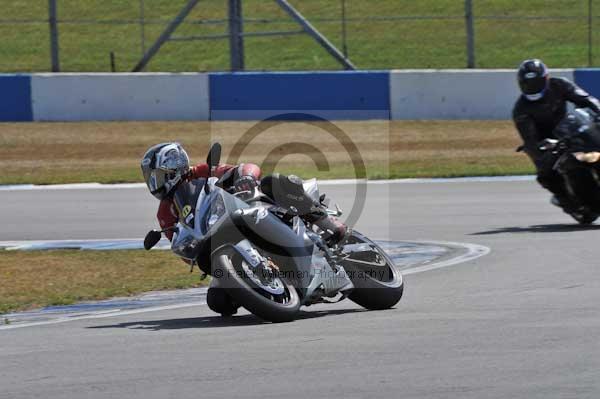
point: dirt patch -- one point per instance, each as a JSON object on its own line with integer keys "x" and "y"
{"x": 111, "y": 151}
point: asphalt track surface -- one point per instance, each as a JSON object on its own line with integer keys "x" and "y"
{"x": 523, "y": 321}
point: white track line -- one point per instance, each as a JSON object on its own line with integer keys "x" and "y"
{"x": 78, "y": 186}
{"x": 104, "y": 244}
{"x": 102, "y": 314}
{"x": 338, "y": 182}
{"x": 474, "y": 251}
{"x": 474, "y": 179}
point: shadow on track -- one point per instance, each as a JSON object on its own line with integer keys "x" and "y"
{"x": 540, "y": 228}
{"x": 216, "y": 321}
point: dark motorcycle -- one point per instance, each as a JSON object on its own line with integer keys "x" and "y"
{"x": 575, "y": 155}
{"x": 265, "y": 254}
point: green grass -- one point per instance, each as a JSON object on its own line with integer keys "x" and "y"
{"x": 381, "y": 44}
{"x": 42, "y": 278}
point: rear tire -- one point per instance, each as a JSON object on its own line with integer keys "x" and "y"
{"x": 376, "y": 287}
{"x": 227, "y": 267}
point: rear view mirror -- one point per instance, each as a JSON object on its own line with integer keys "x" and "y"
{"x": 152, "y": 238}
{"x": 214, "y": 156}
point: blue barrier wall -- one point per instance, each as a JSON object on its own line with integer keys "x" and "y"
{"x": 589, "y": 80}
{"x": 331, "y": 95}
{"x": 15, "y": 98}
{"x": 335, "y": 95}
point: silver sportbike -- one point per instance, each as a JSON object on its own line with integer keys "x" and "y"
{"x": 266, "y": 255}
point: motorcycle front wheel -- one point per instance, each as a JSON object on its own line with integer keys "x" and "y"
{"x": 584, "y": 218}
{"x": 378, "y": 283}
{"x": 273, "y": 299}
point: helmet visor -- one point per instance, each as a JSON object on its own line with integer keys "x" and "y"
{"x": 155, "y": 182}
{"x": 534, "y": 85}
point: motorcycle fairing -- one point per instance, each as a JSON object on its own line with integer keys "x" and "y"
{"x": 293, "y": 248}
{"x": 296, "y": 253}
{"x": 186, "y": 199}
{"x": 311, "y": 189}
{"x": 579, "y": 128}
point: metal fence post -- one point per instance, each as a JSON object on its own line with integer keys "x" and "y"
{"x": 469, "y": 21}
{"x": 53, "y": 36}
{"x": 113, "y": 63}
{"x": 590, "y": 20}
{"x": 344, "y": 42}
{"x": 236, "y": 39}
{"x": 142, "y": 27}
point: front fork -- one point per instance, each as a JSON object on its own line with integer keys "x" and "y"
{"x": 561, "y": 167}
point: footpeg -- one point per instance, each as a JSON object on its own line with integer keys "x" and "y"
{"x": 338, "y": 283}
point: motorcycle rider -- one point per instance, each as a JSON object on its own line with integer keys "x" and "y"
{"x": 537, "y": 112}
{"x": 166, "y": 165}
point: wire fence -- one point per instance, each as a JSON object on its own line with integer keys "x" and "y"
{"x": 90, "y": 35}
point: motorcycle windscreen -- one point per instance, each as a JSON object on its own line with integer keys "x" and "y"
{"x": 579, "y": 130}
{"x": 185, "y": 199}
{"x": 591, "y": 138}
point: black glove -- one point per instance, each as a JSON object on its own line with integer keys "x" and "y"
{"x": 548, "y": 144}
{"x": 245, "y": 183}
{"x": 546, "y": 161}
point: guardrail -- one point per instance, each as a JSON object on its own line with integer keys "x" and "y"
{"x": 405, "y": 94}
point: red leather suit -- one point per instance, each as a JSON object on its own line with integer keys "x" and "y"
{"x": 167, "y": 214}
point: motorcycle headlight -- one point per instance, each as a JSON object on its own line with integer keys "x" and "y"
{"x": 589, "y": 157}
{"x": 215, "y": 213}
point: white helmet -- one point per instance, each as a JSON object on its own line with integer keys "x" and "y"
{"x": 163, "y": 166}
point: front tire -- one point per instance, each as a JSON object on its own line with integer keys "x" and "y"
{"x": 227, "y": 266}
{"x": 378, "y": 283}
{"x": 584, "y": 218}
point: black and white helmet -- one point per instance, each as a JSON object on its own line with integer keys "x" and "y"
{"x": 163, "y": 166}
{"x": 533, "y": 79}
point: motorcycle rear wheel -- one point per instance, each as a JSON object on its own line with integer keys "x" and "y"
{"x": 378, "y": 284}
{"x": 227, "y": 266}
